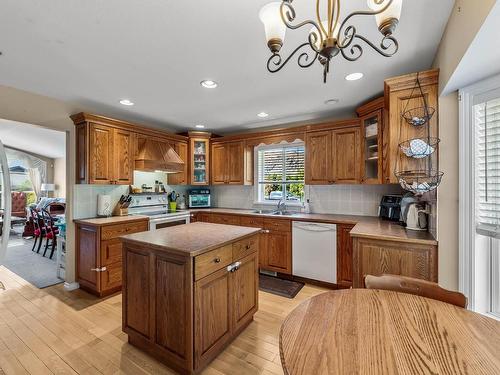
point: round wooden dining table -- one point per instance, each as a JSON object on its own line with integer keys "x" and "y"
{"x": 366, "y": 331}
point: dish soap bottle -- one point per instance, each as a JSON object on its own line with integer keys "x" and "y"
{"x": 306, "y": 207}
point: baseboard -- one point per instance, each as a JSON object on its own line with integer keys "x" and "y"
{"x": 71, "y": 286}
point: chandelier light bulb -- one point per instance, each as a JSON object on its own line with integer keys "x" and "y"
{"x": 274, "y": 26}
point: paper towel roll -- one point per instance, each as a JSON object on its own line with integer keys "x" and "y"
{"x": 103, "y": 205}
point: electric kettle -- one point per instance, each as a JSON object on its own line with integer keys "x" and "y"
{"x": 416, "y": 218}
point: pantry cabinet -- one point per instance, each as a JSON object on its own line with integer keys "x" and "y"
{"x": 333, "y": 156}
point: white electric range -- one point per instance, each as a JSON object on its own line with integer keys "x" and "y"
{"x": 156, "y": 207}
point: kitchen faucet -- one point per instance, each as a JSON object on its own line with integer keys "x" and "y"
{"x": 282, "y": 205}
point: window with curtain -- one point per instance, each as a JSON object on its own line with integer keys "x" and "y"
{"x": 485, "y": 113}
{"x": 280, "y": 173}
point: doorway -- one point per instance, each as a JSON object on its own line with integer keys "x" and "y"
{"x": 36, "y": 159}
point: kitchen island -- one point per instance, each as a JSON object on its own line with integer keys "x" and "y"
{"x": 189, "y": 290}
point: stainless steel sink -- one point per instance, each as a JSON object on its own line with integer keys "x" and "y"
{"x": 265, "y": 212}
{"x": 285, "y": 213}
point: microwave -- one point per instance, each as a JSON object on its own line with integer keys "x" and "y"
{"x": 199, "y": 198}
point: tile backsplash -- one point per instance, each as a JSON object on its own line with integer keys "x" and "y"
{"x": 337, "y": 199}
{"x": 85, "y": 196}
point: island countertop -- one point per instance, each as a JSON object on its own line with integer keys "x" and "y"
{"x": 191, "y": 239}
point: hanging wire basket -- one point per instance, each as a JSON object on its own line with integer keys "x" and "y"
{"x": 419, "y": 148}
{"x": 419, "y": 181}
{"x": 418, "y": 116}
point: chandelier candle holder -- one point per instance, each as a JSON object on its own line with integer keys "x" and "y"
{"x": 328, "y": 37}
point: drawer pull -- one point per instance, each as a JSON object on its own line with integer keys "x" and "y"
{"x": 234, "y": 267}
{"x": 217, "y": 260}
{"x": 102, "y": 269}
{"x": 247, "y": 247}
{"x": 265, "y": 231}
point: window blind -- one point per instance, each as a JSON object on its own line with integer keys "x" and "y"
{"x": 487, "y": 160}
{"x": 284, "y": 165}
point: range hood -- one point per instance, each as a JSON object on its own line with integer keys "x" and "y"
{"x": 155, "y": 155}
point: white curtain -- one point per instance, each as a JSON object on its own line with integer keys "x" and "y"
{"x": 36, "y": 180}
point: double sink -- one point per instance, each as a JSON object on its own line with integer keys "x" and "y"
{"x": 275, "y": 212}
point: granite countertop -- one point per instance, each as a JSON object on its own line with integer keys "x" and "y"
{"x": 101, "y": 221}
{"x": 364, "y": 226}
{"x": 191, "y": 239}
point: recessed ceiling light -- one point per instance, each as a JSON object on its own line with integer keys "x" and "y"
{"x": 331, "y": 101}
{"x": 354, "y": 76}
{"x": 262, "y": 114}
{"x": 126, "y": 102}
{"x": 208, "y": 84}
{"x": 200, "y": 126}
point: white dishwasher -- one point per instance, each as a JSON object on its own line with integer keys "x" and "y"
{"x": 314, "y": 251}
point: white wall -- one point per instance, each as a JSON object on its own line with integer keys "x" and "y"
{"x": 465, "y": 21}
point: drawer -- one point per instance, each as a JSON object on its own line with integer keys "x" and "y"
{"x": 111, "y": 251}
{"x": 249, "y": 221}
{"x": 277, "y": 225}
{"x": 117, "y": 230}
{"x": 208, "y": 263}
{"x": 225, "y": 219}
{"x": 245, "y": 247}
{"x": 111, "y": 277}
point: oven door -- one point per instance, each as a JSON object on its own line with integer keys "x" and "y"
{"x": 165, "y": 222}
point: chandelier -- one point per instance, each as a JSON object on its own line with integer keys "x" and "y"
{"x": 330, "y": 37}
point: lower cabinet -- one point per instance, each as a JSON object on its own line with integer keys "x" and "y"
{"x": 376, "y": 257}
{"x": 344, "y": 255}
{"x": 99, "y": 253}
{"x": 185, "y": 310}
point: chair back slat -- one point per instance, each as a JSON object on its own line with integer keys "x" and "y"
{"x": 415, "y": 286}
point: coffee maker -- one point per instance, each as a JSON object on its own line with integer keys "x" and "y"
{"x": 416, "y": 217}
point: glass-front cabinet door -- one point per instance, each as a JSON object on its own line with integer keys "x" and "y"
{"x": 199, "y": 161}
{"x": 372, "y": 147}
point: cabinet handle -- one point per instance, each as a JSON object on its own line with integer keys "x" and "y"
{"x": 102, "y": 269}
{"x": 247, "y": 246}
{"x": 217, "y": 260}
{"x": 264, "y": 231}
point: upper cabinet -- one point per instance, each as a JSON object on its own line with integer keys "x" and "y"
{"x": 105, "y": 155}
{"x": 333, "y": 156}
{"x": 232, "y": 163}
{"x": 108, "y": 150}
{"x": 400, "y": 95}
{"x": 199, "y": 154}
{"x": 372, "y": 123}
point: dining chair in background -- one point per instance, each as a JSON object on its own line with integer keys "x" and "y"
{"x": 418, "y": 287}
{"x": 51, "y": 231}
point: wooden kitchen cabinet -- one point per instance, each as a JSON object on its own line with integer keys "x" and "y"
{"x": 184, "y": 310}
{"x": 180, "y": 178}
{"x": 277, "y": 246}
{"x": 378, "y": 256}
{"x": 372, "y": 116}
{"x": 99, "y": 252}
{"x": 333, "y": 156}
{"x": 105, "y": 155}
{"x": 230, "y": 164}
{"x": 199, "y": 155}
{"x": 399, "y": 95}
{"x": 344, "y": 255}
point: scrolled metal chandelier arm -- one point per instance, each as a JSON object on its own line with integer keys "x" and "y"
{"x": 288, "y": 16}
{"x": 302, "y": 60}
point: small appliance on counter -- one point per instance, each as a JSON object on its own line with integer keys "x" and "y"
{"x": 103, "y": 205}
{"x": 390, "y": 207}
{"x": 199, "y": 198}
{"x": 416, "y": 217}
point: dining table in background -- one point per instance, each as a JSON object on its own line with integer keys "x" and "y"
{"x": 362, "y": 331}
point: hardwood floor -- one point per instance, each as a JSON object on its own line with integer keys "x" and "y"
{"x": 53, "y": 331}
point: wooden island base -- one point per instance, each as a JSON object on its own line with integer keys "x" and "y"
{"x": 189, "y": 290}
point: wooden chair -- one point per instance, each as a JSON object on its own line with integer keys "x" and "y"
{"x": 418, "y": 287}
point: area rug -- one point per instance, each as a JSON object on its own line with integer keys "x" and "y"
{"x": 280, "y": 287}
{"x": 32, "y": 267}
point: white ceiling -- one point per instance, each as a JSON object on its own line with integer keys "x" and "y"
{"x": 94, "y": 53}
{"x": 33, "y": 138}
{"x": 482, "y": 58}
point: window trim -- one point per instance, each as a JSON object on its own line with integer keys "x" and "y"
{"x": 467, "y": 209}
{"x": 256, "y": 150}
